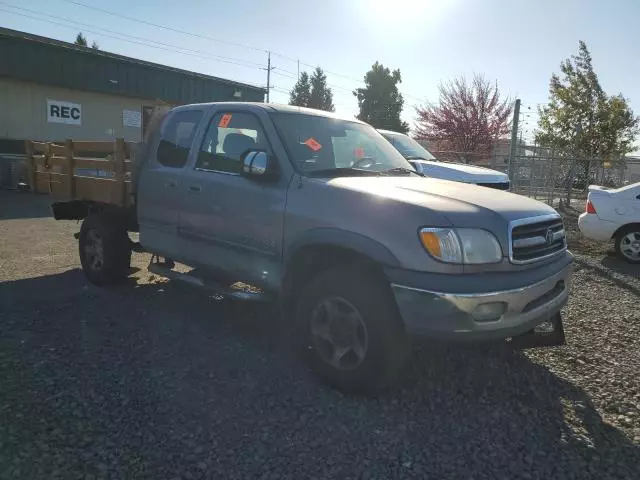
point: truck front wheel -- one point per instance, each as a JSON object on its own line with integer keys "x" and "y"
{"x": 350, "y": 331}
{"x": 105, "y": 251}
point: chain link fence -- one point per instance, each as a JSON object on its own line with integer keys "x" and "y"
{"x": 545, "y": 174}
{"x": 557, "y": 179}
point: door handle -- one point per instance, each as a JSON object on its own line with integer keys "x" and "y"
{"x": 195, "y": 188}
{"x": 171, "y": 184}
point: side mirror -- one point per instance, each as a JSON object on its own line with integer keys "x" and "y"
{"x": 257, "y": 164}
{"x": 418, "y": 166}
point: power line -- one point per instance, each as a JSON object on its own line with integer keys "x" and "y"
{"x": 206, "y": 37}
{"x": 285, "y": 75}
{"x": 134, "y": 42}
{"x": 286, "y": 57}
{"x": 184, "y": 32}
{"x": 199, "y": 53}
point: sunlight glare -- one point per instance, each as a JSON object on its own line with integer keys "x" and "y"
{"x": 400, "y": 15}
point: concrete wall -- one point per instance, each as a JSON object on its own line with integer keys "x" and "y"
{"x": 23, "y": 113}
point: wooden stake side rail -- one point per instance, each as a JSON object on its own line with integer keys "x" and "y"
{"x": 65, "y": 171}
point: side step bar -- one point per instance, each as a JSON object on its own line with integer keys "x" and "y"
{"x": 233, "y": 291}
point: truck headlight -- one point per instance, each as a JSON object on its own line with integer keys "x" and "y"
{"x": 461, "y": 245}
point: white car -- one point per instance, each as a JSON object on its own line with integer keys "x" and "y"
{"x": 614, "y": 214}
{"x": 425, "y": 163}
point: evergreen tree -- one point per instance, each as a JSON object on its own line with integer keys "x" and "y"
{"x": 81, "y": 40}
{"x": 300, "y": 95}
{"x": 380, "y": 101}
{"x": 580, "y": 119}
{"x": 321, "y": 95}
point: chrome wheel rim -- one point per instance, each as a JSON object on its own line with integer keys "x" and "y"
{"x": 339, "y": 333}
{"x": 630, "y": 245}
{"x": 93, "y": 250}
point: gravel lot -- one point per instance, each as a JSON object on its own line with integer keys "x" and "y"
{"x": 156, "y": 380}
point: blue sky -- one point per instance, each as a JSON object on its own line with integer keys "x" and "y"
{"x": 518, "y": 43}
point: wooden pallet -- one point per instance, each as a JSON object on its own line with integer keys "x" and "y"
{"x": 64, "y": 171}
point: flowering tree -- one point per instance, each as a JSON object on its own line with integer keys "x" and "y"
{"x": 469, "y": 116}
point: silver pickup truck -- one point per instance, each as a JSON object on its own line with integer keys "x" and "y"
{"x": 324, "y": 215}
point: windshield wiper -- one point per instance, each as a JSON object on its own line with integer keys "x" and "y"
{"x": 415, "y": 157}
{"x": 391, "y": 171}
{"x": 343, "y": 172}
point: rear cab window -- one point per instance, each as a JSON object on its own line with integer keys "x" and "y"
{"x": 176, "y": 136}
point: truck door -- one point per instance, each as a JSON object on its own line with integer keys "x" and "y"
{"x": 229, "y": 222}
{"x": 161, "y": 182}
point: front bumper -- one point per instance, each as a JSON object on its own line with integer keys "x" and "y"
{"x": 466, "y": 316}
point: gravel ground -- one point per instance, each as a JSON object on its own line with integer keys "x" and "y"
{"x": 156, "y": 380}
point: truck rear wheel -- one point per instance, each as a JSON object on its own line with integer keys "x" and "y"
{"x": 350, "y": 331}
{"x": 105, "y": 250}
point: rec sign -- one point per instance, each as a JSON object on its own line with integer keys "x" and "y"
{"x": 64, "y": 112}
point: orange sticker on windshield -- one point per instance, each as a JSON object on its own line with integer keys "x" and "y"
{"x": 313, "y": 144}
{"x": 358, "y": 152}
{"x": 224, "y": 121}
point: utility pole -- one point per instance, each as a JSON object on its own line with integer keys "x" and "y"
{"x": 514, "y": 139}
{"x": 578, "y": 133}
{"x": 269, "y": 68}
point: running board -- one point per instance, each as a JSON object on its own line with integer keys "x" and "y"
{"x": 232, "y": 291}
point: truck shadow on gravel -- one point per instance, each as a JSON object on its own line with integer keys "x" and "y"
{"x": 158, "y": 379}
{"x": 624, "y": 268}
{"x": 521, "y": 409}
{"x": 16, "y": 205}
{"x": 622, "y": 274}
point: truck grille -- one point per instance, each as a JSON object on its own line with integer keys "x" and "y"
{"x": 536, "y": 238}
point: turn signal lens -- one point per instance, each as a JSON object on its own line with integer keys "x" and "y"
{"x": 442, "y": 243}
{"x": 431, "y": 243}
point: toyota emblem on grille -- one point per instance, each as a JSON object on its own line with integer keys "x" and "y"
{"x": 549, "y": 237}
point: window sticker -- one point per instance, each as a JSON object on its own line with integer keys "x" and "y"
{"x": 224, "y": 121}
{"x": 313, "y": 144}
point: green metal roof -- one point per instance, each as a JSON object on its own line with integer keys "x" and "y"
{"x": 47, "y": 61}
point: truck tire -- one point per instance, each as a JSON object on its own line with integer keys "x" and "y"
{"x": 349, "y": 330}
{"x": 627, "y": 243}
{"x": 105, "y": 250}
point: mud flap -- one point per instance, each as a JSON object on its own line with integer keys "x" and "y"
{"x": 543, "y": 335}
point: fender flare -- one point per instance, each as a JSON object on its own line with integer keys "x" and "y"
{"x": 335, "y": 237}
{"x": 330, "y": 237}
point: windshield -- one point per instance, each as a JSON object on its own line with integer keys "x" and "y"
{"x": 408, "y": 147}
{"x": 319, "y": 145}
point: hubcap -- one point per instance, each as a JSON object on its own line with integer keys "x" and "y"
{"x": 339, "y": 333}
{"x": 93, "y": 250}
{"x": 630, "y": 245}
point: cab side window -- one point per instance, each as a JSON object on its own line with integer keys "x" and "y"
{"x": 229, "y": 136}
{"x": 176, "y": 137}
